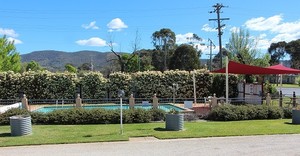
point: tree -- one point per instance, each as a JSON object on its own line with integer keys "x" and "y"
{"x": 145, "y": 59}
{"x": 293, "y": 49}
{"x": 33, "y": 66}
{"x": 85, "y": 66}
{"x": 277, "y": 52}
{"x": 131, "y": 63}
{"x": 123, "y": 59}
{"x": 280, "y": 49}
{"x": 243, "y": 49}
{"x": 9, "y": 57}
{"x": 185, "y": 57}
{"x": 70, "y": 68}
{"x": 164, "y": 41}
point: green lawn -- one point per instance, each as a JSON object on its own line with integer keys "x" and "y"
{"x": 60, "y": 134}
{"x": 288, "y": 85}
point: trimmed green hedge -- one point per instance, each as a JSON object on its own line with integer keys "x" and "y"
{"x": 87, "y": 116}
{"x": 245, "y": 112}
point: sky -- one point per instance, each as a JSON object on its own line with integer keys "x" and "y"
{"x": 75, "y": 25}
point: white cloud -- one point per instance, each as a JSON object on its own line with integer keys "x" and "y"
{"x": 16, "y": 41}
{"x": 94, "y": 41}
{"x": 288, "y": 27}
{"x": 273, "y": 26}
{"x": 234, "y": 29}
{"x": 182, "y": 38}
{"x": 286, "y": 37}
{"x": 116, "y": 25}
{"x": 92, "y": 25}
{"x": 262, "y": 41}
{"x": 206, "y": 28}
{"x": 8, "y": 32}
{"x": 262, "y": 24}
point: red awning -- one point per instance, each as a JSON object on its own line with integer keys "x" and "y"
{"x": 284, "y": 69}
{"x": 238, "y": 68}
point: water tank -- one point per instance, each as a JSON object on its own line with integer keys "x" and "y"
{"x": 20, "y": 125}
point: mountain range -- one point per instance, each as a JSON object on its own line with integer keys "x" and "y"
{"x": 56, "y": 60}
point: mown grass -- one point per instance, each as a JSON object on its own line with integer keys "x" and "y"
{"x": 288, "y": 85}
{"x": 62, "y": 134}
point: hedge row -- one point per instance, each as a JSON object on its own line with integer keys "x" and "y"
{"x": 247, "y": 112}
{"x": 47, "y": 85}
{"x": 85, "y": 116}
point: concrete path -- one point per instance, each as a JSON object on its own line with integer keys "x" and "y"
{"x": 245, "y": 145}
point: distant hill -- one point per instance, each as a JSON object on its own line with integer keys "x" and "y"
{"x": 56, "y": 60}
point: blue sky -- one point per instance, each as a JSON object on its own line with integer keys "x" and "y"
{"x": 90, "y": 24}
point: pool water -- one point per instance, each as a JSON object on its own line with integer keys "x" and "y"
{"x": 165, "y": 107}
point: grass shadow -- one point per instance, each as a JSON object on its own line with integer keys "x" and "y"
{"x": 290, "y": 123}
{"x": 160, "y": 129}
{"x": 5, "y": 134}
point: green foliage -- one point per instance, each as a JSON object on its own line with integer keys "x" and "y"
{"x": 157, "y": 114}
{"x": 185, "y": 57}
{"x": 86, "y": 116}
{"x": 47, "y": 85}
{"x": 33, "y": 66}
{"x": 70, "y": 68}
{"x": 218, "y": 85}
{"x": 137, "y": 116}
{"x": 298, "y": 80}
{"x": 131, "y": 62}
{"x": 287, "y": 113}
{"x": 293, "y": 49}
{"x": 93, "y": 85}
{"x": 270, "y": 88}
{"x": 245, "y": 112}
{"x": 4, "y": 117}
{"x": 10, "y": 59}
{"x": 119, "y": 81}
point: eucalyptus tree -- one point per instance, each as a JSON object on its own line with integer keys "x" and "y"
{"x": 164, "y": 41}
{"x": 277, "y": 52}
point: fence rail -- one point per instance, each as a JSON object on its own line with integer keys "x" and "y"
{"x": 138, "y": 100}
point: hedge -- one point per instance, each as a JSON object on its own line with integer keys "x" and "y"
{"x": 47, "y": 85}
{"x": 245, "y": 112}
{"x": 86, "y": 116}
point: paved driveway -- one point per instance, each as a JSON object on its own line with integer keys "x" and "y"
{"x": 289, "y": 91}
{"x": 246, "y": 145}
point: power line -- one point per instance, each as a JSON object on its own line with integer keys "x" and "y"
{"x": 217, "y": 9}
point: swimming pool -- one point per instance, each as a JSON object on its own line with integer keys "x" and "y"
{"x": 165, "y": 107}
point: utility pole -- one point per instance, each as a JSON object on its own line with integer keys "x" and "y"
{"x": 211, "y": 44}
{"x": 217, "y": 9}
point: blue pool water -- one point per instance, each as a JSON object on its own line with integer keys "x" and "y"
{"x": 165, "y": 107}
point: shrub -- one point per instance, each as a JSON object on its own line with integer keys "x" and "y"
{"x": 4, "y": 117}
{"x": 287, "y": 113}
{"x": 275, "y": 112}
{"x": 157, "y": 114}
{"x": 245, "y": 112}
